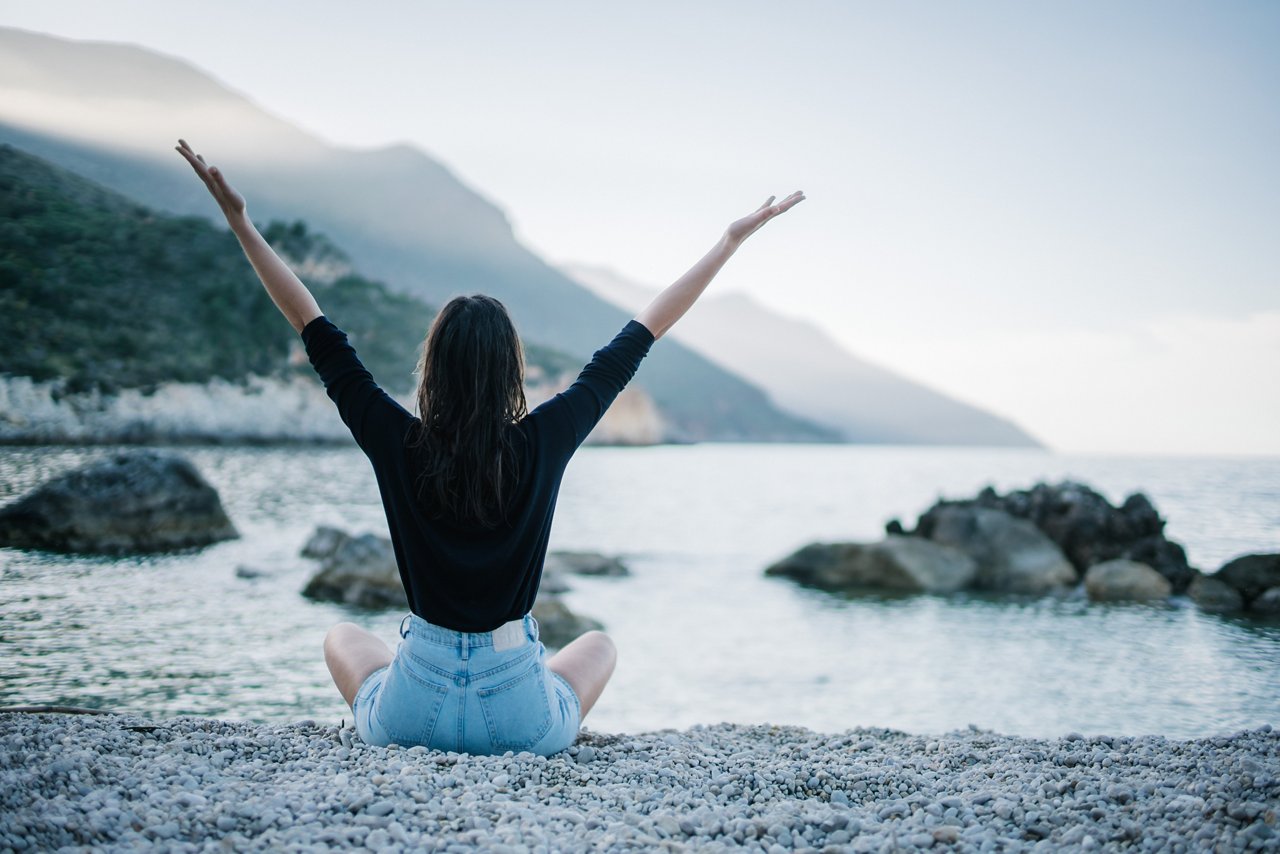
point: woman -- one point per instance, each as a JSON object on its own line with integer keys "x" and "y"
{"x": 469, "y": 488}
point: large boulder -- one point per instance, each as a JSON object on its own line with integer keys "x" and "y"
{"x": 131, "y": 502}
{"x": 584, "y": 563}
{"x": 895, "y": 563}
{"x": 1251, "y": 574}
{"x": 1267, "y": 602}
{"x": 1012, "y": 555}
{"x": 557, "y": 625}
{"x": 1125, "y": 581}
{"x": 1086, "y": 527}
{"x": 324, "y": 541}
{"x": 359, "y": 571}
{"x": 1212, "y": 594}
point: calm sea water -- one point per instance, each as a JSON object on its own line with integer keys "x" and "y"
{"x": 703, "y": 635}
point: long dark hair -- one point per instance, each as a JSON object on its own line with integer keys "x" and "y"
{"x": 470, "y": 395}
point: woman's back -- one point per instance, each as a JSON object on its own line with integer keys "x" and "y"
{"x": 465, "y": 576}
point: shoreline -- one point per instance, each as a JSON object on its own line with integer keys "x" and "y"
{"x": 116, "y": 782}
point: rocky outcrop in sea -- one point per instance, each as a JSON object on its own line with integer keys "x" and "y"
{"x": 130, "y": 502}
{"x": 1047, "y": 539}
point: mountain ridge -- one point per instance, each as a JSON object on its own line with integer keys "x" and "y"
{"x": 807, "y": 372}
{"x": 402, "y": 216}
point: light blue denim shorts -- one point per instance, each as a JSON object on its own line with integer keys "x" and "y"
{"x": 468, "y": 692}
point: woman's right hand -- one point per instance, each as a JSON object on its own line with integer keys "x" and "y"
{"x": 749, "y": 224}
{"x": 231, "y": 202}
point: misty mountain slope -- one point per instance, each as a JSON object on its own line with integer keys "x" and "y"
{"x": 103, "y": 294}
{"x": 112, "y": 113}
{"x": 808, "y": 373}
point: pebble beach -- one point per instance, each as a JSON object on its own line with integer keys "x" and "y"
{"x": 119, "y": 782}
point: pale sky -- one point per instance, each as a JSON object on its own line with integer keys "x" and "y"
{"x": 1066, "y": 213}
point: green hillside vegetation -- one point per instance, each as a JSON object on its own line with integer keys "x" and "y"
{"x": 105, "y": 294}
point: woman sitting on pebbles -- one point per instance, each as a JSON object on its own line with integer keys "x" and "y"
{"x": 469, "y": 489}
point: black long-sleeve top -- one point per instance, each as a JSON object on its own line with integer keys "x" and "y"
{"x": 468, "y": 579}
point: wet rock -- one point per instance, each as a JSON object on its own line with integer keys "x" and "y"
{"x": 1212, "y": 594}
{"x": 896, "y": 563}
{"x": 585, "y": 563}
{"x": 1011, "y": 554}
{"x": 361, "y": 571}
{"x": 1268, "y": 602}
{"x": 553, "y": 582}
{"x": 131, "y": 502}
{"x": 1125, "y": 581}
{"x": 324, "y": 541}
{"x": 250, "y": 572}
{"x": 1086, "y": 527}
{"x": 557, "y": 624}
{"x": 1251, "y": 574}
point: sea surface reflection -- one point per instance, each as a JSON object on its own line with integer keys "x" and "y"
{"x": 703, "y": 635}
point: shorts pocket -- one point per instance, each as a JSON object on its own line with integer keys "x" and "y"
{"x": 408, "y": 707}
{"x": 517, "y": 711}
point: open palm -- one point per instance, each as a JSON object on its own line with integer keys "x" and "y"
{"x": 231, "y": 202}
{"x": 741, "y": 229}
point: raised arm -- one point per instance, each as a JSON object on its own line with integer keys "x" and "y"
{"x": 670, "y": 305}
{"x": 288, "y": 293}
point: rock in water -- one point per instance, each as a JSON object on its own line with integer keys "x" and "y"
{"x": 1267, "y": 602}
{"x": 130, "y": 502}
{"x": 361, "y": 571}
{"x": 585, "y": 563}
{"x": 557, "y": 625}
{"x": 324, "y": 542}
{"x": 895, "y": 563}
{"x": 1125, "y": 581}
{"x": 1012, "y": 555}
{"x": 1251, "y": 574}
{"x": 1087, "y": 527}
{"x": 1214, "y": 595}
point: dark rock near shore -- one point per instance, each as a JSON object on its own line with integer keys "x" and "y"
{"x": 324, "y": 541}
{"x": 1012, "y": 555}
{"x": 131, "y": 502}
{"x": 1125, "y": 581}
{"x": 1211, "y": 594}
{"x": 557, "y": 625}
{"x": 1267, "y": 602}
{"x": 1251, "y": 575}
{"x": 1085, "y": 526}
{"x": 585, "y": 563}
{"x": 896, "y": 563}
{"x": 360, "y": 571}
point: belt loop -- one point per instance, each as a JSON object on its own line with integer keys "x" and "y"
{"x": 465, "y": 647}
{"x": 404, "y": 632}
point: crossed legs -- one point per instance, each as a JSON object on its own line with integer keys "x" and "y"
{"x": 352, "y": 654}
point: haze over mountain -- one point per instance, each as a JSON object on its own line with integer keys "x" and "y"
{"x": 805, "y": 372}
{"x": 112, "y": 112}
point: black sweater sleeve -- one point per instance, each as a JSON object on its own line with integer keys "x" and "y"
{"x": 575, "y": 411}
{"x": 363, "y": 406}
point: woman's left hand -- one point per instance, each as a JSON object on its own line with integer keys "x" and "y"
{"x": 231, "y": 202}
{"x": 749, "y": 224}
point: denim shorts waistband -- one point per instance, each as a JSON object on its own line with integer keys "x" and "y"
{"x": 526, "y": 628}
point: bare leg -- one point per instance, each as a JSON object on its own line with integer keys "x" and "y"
{"x": 352, "y": 654}
{"x": 586, "y": 664}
